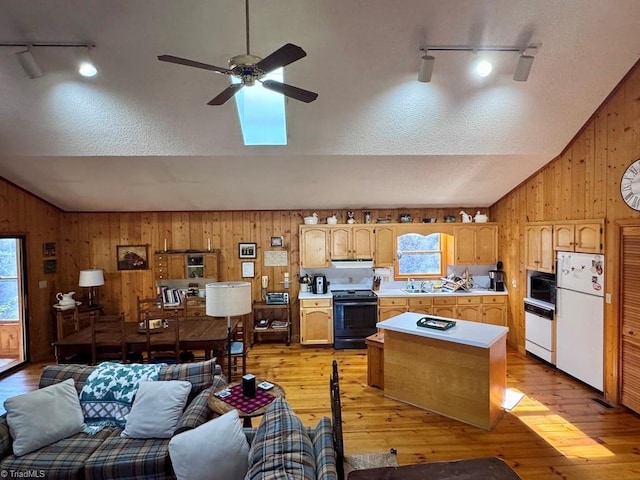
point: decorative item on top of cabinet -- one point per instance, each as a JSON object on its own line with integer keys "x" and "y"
{"x": 584, "y": 236}
{"x": 539, "y": 254}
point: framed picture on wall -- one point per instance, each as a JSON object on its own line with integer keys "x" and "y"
{"x": 277, "y": 241}
{"x": 248, "y": 270}
{"x": 247, "y": 250}
{"x": 132, "y": 257}
{"x": 49, "y": 249}
{"x": 50, "y": 266}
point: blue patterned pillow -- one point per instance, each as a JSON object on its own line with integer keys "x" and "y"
{"x": 281, "y": 448}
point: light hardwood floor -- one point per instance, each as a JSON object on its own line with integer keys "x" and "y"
{"x": 556, "y": 432}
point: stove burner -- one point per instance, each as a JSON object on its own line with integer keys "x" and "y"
{"x": 353, "y": 294}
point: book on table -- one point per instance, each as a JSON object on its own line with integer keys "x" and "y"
{"x": 262, "y": 324}
{"x": 279, "y": 325}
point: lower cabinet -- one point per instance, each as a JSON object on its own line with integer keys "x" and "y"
{"x": 444, "y": 307}
{"x": 422, "y": 305}
{"x": 316, "y": 322}
{"x": 391, "y": 306}
{"x": 494, "y": 310}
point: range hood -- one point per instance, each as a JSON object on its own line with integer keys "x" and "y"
{"x": 364, "y": 263}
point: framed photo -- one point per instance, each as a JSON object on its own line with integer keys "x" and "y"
{"x": 247, "y": 250}
{"x": 277, "y": 241}
{"x": 248, "y": 270}
{"x": 50, "y": 266}
{"x": 49, "y": 249}
{"x": 132, "y": 257}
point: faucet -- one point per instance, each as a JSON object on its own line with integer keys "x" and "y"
{"x": 422, "y": 285}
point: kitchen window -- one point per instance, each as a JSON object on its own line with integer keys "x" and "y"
{"x": 421, "y": 255}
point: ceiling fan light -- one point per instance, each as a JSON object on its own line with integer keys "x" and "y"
{"x": 86, "y": 67}
{"x": 426, "y": 68}
{"x": 482, "y": 67}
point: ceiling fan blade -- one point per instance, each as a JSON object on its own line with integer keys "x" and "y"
{"x": 226, "y": 94}
{"x": 285, "y": 55}
{"x": 290, "y": 91}
{"x": 192, "y": 63}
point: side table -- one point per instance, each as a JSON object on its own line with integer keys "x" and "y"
{"x": 280, "y": 312}
{"x": 74, "y": 319}
{"x": 218, "y": 405}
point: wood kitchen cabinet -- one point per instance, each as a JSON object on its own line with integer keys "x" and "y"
{"x": 316, "y": 321}
{"x": 494, "y": 310}
{"x": 476, "y": 244}
{"x": 584, "y": 236}
{"x": 314, "y": 247}
{"x": 422, "y": 305}
{"x": 384, "y": 254}
{"x": 391, "y": 306}
{"x": 539, "y": 253}
{"x": 468, "y": 308}
{"x": 349, "y": 242}
{"x": 444, "y": 306}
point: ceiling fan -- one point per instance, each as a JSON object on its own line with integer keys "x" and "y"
{"x": 251, "y": 69}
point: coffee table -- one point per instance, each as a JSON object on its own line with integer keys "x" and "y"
{"x": 218, "y": 405}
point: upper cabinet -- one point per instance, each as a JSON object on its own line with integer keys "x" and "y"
{"x": 351, "y": 242}
{"x": 186, "y": 265}
{"x": 314, "y": 247}
{"x": 384, "y": 246}
{"x": 585, "y": 236}
{"x": 539, "y": 254}
{"x": 476, "y": 244}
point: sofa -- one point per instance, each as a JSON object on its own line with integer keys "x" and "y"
{"x": 302, "y": 452}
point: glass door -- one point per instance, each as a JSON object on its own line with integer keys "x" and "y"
{"x": 12, "y": 303}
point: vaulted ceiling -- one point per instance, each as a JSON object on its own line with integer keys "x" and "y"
{"x": 140, "y": 135}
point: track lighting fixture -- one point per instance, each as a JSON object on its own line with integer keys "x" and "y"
{"x": 426, "y": 68}
{"x": 29, "y": 64}
{"x": 480, "y": 65}
{"x": 31, "y": 68}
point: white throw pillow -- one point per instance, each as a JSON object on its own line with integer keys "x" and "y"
{"x": 216, "y": 450}
{"x": 156, "y": 409}
{"x": 42, "y": 417}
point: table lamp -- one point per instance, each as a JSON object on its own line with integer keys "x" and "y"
{"x": 228, "y": 299}
{"x": 92, "y": 279}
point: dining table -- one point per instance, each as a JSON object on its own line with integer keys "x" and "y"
{"x": 207, "y": 334}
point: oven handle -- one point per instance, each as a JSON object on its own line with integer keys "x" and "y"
{"x": 353, "y": 304}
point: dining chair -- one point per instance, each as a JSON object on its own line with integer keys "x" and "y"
{"x": 161, "y": 327}
{"x": 239, "y": 347}
{"x": 108, "y": 341}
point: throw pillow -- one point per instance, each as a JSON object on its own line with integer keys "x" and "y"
{"x": 156, "y": 409}
{"x": 39, "y": 418}
{"x": 281, "y": 447}
{"x": 217, "y": 449}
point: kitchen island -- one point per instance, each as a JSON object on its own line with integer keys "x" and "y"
{"x": 459, "y": 373}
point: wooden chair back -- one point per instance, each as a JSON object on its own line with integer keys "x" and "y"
{"x": 108, "y": 340}
{"x": 162, "y": 329}
{"x": 336, "y": 419}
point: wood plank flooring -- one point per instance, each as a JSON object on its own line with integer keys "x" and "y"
{"x": 557, "y": 431}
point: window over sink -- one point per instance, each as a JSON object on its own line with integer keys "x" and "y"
{"x": 421, "y": 255}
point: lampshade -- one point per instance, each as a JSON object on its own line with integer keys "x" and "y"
{"x": 91, "y": 278}
{"x": 228, "y": 299}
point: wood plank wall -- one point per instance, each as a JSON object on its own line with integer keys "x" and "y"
{"x": 21, "y": 213}
{"x": 89, "y": 240}
{"x": 583, "y": 182}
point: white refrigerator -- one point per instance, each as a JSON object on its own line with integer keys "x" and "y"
{"x": 580, "y": 317}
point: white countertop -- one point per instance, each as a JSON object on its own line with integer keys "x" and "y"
{"x": 475, "y": 334}
{"x": 398, "y": 292}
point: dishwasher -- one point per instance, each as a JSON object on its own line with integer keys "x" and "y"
{"x": 540, "y": 337}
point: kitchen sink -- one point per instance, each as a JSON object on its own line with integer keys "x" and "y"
{"x": 413, "y": 290}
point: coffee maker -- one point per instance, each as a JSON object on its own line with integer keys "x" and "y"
{"x": 496, "y": 278}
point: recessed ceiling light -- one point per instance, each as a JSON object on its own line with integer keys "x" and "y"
{"x": 482, "y": 67}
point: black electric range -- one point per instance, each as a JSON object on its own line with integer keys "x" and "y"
{"x": 355, "y": 314}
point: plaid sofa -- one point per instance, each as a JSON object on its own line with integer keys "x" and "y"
{"x": 106, "y": 455}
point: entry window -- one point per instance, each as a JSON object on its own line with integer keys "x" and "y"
{"x": 420, "y": 255}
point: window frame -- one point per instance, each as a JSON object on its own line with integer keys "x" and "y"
{"x": 443, "y": 251}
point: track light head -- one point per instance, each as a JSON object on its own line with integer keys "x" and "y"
{"x": 426, "y": 68}
{"x": 86, "y": 68}
{"x": 524, "y": 67}
{"x": 29, "y": 64}
{"x": 482, "y": 66}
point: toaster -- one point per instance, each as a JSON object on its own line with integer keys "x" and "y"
{"x": 276, "y": 298}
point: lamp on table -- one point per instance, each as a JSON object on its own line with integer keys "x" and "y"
{"x": 93, "y": 279}
{"x": 228, "y": 299}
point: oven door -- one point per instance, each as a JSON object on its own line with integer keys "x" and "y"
{"x": 354, "y": 320}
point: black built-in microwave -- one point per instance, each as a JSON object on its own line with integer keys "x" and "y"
{"x": 542, "y": 286}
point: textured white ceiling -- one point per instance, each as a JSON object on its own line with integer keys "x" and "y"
{"x": 140, "y": 136}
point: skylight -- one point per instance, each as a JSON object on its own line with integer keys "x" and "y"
{"x": 262, "y": 113}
